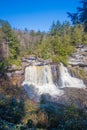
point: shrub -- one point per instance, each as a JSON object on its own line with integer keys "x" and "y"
{"x": 11, "y": 110}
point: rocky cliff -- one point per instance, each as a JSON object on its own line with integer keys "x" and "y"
{"x": 78, "y": 63}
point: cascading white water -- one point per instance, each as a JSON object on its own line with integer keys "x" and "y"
{"x": 67, "y": 80}
{"x": 39, "y": 80}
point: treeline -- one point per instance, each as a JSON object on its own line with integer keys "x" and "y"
{"x": 9, "y": 46}
{"x": 57, "y": 44}
{"x": 60, "y": 41}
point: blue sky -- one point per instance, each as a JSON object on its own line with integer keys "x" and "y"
{"x": 36, "y": 14}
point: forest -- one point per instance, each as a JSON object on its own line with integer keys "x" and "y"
{"x": 57, "y": 44}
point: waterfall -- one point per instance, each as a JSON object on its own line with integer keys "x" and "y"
{"x": 39, "y": 80}
{"x": 67, "y": 80}
{"x": 48, "y": 79}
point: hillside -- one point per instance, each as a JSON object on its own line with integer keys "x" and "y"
{"x": 44, "y": 51}
{"x": 43, "y": 74}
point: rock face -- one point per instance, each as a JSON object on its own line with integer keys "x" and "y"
{"x": 14, "y": 68}
{"x": 79, "y": 58}
{"x": 16, "y": 73}
{"x": 78, "y": 63}
{"x": 35, "y": 61}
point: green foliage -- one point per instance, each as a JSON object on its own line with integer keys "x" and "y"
{"x": 77, "y": 33}
{"x": 55, "y": 28}
{"x": 74, "y": 118}
{"x": 11, "y": 113}
{"x": 48, "y": 116}
{"x": 13, "y": 45}
{"x": 10, "y": 39}
{"x": 11, "y": 110}
{"x": 81, "y": 15}
{"x": 44, "y": 50}
{"x": 82, "y": 73}
{"x": 85, "y": 38}
{"x": 57, "y": 45}
{"x": 2, "y": 67}
{"x": 65, "y": 118}
{"x": 16, "y": 62}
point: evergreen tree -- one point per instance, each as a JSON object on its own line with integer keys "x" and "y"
{"x": 81, "y": 15}
{"x": 10, "y": 41}
{"x": 77, "y": 33}
{"x": 55, "y": 28}
{"x": 85, "y": 38}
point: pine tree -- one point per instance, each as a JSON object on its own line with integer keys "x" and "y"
{"x": 77, "y": 33}
{"x": 10, "y": 40}
{"x": 81, "y": 15}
